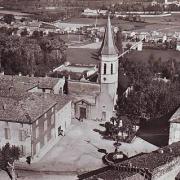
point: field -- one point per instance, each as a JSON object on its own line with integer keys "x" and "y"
{"x": 89, "y": 56}
{"x": 164, "y": 24}
{"x": 145, "y": 54}
{"x": 82, "y": 56}
{"x": 125, "y": 25}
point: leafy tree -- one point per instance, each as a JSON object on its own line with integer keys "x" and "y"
{"x": 31, "y": 55}
{"x": 150, "y": 102}
{"x": 149, "y": 98}
{"x": 24, "y": 32}
{"x": 8, "y": 18}
{"x": 119, "y": 39}
{"x": 8, "y": 155}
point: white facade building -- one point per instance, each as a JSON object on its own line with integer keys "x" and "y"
{"x": 174, "y": 132}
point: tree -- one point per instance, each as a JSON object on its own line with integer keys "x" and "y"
{"x": 24, "y": 32}
{"x": 8, "y": 18}
{"x": 119, "y": 39}
{"x": 8, "y": 155}
{"x": 149, "y": 98}
{"x": 150, "y": 102}
{"x": 31, "y": 55}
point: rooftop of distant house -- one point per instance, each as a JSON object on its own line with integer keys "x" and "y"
{"x": 75, "y": 71}
{"x": 25, "y": 83}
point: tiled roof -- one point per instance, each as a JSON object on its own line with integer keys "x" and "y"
{"x": 26, "y": 83}
{"x": 61, "y": 100}
{"x": 109, "y": 173}
{"x": 28, "y": 107}
{"x": 24, "y": 108}
{"x": 155, "y": 159}
{"x": 113, "y": 175}
{"x": 83, "y": 88}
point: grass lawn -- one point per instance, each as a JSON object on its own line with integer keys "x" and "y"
{"x": 89, "y": 56}
{"x": 82, "y": 56}
{"x": 145, "y": 54}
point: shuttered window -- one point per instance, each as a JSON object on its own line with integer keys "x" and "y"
{"x": 105, "y": 68}
{"x": 7, "y": 133}
{"x": 45, "y": 125}
{"x": 21, "y": 135}
{"x": 111, "y": 68}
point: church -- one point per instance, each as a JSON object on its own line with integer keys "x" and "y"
{"x": 96, "y": 101}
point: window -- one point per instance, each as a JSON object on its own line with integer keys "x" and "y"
{"x": 45, "y": 139}
{"x": 45, "y": 125}
{"x": 111, "y": 68}
{"x": 52, "y": 119}
{"x": 37, "y": 122}
{"x": 22, "y": 150}
{"x": 7, "y": 133}
{"x": 37, "y": 132}
{"x": 45, "y": 115}
{"x": 21, "y": 135}
{"x": 52, "y": 133}
{"x": 105, "y": 68}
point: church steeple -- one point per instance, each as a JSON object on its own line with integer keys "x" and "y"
{"x": 108, "y": 47}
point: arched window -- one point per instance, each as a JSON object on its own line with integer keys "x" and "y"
{"x": 111, "y": 68}
{"x": 105, "y": 68}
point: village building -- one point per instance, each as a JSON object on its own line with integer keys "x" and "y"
{"x": 162, "y": 164}
{"x": 138, "y": 46}
{"x": 89, "y": 12}
{"x": 32, "y": 84}
{"x": 76, "y": 71}
{"x": 174, "y": 134}
{"x": 33, "y": 121}
{"x": 178, "y": 46}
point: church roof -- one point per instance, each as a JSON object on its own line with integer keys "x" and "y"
{"x": 108, "y": 47}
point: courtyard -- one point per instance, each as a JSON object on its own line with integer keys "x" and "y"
{"x": 77, "y": 152}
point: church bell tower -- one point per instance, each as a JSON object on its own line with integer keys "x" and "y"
{"x": 109, "y": 64}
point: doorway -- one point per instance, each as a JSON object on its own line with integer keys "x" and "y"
{"x": 82, "y": 113}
